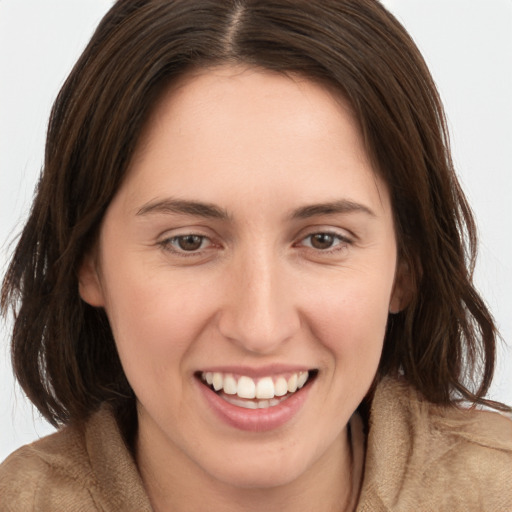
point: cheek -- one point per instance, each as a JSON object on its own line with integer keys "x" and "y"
{"x": 350, "y": 317}
{"x": 155, "y": 319}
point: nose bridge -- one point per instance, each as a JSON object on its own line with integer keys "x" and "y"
{"x": 259, "y": 313}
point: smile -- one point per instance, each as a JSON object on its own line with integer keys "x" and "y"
{"x": 246, "y": 392}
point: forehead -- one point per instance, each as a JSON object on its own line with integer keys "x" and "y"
{"x": 267, "y": 130}
{"x": 237, "y": 94}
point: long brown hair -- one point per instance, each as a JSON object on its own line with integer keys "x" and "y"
{"x": 63, "y": 351}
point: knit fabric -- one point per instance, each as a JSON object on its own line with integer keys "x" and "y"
{"x": 419, "y": 458}
{"x": 428, "y": 458}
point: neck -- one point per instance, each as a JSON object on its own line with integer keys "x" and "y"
{"x": 174, "y": 482}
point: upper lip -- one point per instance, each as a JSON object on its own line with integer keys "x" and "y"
{"x": 255, "y": 372}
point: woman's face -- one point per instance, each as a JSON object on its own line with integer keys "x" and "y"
{"x": 250, "y": 243}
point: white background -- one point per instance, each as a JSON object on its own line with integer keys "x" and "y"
{"x": 467, "y": 43}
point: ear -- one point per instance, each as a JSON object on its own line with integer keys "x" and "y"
{"x": 89, "y": 284}
{"x": 403, "y": 288}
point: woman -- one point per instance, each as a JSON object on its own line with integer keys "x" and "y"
{"x": 244, "y": 283}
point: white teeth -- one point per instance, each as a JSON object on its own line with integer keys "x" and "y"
{"x": 230, "y": 385}
{"x": 281, "y": 387}
{"x": 292, "y": 383}
{"x": 217, "y": 381}
{"x": 303, "y": 377}
{"x": 265, "y": 388}
{"x": 251, "y": 404}
{"x": 246, "y": 388}
{"x": 240, "y": 402}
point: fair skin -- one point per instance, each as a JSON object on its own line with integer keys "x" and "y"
{"x": 251, "y": 238}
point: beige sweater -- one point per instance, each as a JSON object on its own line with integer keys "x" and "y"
{"x": 419, "y": 458}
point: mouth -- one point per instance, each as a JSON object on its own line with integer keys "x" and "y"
{"x": 256, "y": 393}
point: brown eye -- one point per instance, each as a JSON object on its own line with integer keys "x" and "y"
{"x": 189, "y": 242}
{"x": 322, "y": 240}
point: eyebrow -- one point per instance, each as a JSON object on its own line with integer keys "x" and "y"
{"x": 212, "y": 211}
{"x": 195, "y": 208}
{"x": 331, "y": 208}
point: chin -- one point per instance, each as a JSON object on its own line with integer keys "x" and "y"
{"x": 259, "y": 476}
{"x": 278, "y": 467}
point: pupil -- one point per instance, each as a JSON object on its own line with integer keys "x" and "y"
{"x": 190, "y": 242}
{"x": 322, "y": 241}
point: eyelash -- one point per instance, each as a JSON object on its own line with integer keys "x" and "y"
{"x": 342, "y": 243}
{"x": 167, "y": 245}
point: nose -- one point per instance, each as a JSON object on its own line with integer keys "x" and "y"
{"x": 259, "y": 313}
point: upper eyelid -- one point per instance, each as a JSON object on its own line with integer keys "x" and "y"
{"x": 177, "y": 232}
{"x": 174, "y": 237}
{"x": 199, "y": 231}
{"x": 343, "y": 240}
{"x": 167, "y": 246}
{"x": 341, "y": 233}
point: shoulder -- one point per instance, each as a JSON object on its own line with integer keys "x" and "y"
{"x": 459, "y": 459}
{"x": 50, "y": 474}
{"x": 83, "y": 467}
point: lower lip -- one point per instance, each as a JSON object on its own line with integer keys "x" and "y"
{"x": 255, "y": 420}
